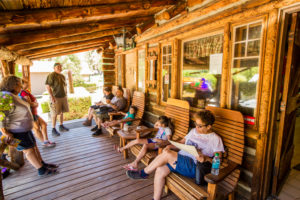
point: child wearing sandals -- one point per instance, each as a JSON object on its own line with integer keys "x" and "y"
{"x": 164, "y": 133}
{"x": 39, "y": 125}
{"x": 129, "y": 115}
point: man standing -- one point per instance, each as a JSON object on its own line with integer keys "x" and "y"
{"x": 57, "y": 89}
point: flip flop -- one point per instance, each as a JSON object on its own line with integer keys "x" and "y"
{"x": 128, "y": 167}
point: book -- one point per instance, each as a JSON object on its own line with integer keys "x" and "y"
{"x": 188, "y": 148}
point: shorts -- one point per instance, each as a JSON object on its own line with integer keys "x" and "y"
{"x": 102, "y": 116}
{"x": 60, "y": 106}
{"x": 27, "y": 140}
{"x": 95, "y": 107}
{"x": 153, "y": 142}
{"x": 185, "y": 166}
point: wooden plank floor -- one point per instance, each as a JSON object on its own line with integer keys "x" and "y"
{"x": 89, "y": 169}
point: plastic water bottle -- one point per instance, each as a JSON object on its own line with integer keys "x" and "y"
{"x": 215, "y": 165}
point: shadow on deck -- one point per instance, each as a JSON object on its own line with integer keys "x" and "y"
{"x": 89, "y": 169}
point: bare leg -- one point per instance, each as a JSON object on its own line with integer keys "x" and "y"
{"x": 167, "y": 156}
{"x": 141, "y": 154}
{"x": 32, "y": 158}
{"x": 43, "y": 126}
{"x": 54, "y": 120}
{"x": 159, "y": 181}
{"x": 37, "y": 131}
{"x": 61, "y": 118}
{"x": 90, "y": 114}
{"x": 38, "y": 154}
{"x": 134, "y": 142}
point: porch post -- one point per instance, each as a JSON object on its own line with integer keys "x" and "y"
{"x": 11, "y": 67}
{"x": 71, "y": 88}
{"x": 26, "y": 74}
{"x": 4, "y": 66}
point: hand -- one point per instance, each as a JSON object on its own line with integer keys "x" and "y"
{"x": 167, "y": 148}
{"x": 9, "y": 137}
{"x": 53, "y": 100}
{"x": 201, "y": 158}
{"x": 108, "y": 101}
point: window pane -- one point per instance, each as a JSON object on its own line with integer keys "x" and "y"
{"x": 253, "y": 48}
{"x": 254, "y": 31}
{"x": 202, "y": 67}
{"x": 141, "y": 70}
{"x": 244, "y": 83}
{"x": 166, "y": 73}
{"x": 241, "y": 34}
{"x": 239, "y": 50}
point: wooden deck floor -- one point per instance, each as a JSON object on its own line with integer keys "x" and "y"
{"x": 89, "y": 169}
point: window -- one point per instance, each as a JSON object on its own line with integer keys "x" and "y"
{"x": 141, "y": 70}
{"x": 245, "y": 67}
{"x": 202, "y": 69}
{"x": 166, "y": 72}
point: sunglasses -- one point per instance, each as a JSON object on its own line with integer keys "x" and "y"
{"x": 199, "y": 125}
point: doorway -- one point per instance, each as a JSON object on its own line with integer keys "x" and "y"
{"x": 286, "y": 149}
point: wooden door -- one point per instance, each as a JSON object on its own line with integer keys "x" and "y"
{"x": 288, "y": 105}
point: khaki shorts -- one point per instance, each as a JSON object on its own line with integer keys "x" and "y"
{"x": 60, "y": 106}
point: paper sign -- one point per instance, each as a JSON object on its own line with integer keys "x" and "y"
{"x": 215, "y": 63}
{"x": 188, "y": 148}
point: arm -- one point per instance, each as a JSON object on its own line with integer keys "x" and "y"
{"x": 50, "y": 93}
{"x": 172, "y": 147}
{"x": 32, "y": 104}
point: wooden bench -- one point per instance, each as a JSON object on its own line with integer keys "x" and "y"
{"x": 178, "y": 111}
{"x": 138, "y": 101}
{"x": 229, "y": 125}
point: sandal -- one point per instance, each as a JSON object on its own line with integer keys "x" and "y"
{"x": 49, "y": 172}
{"x": 54, "y": 166}
{"x": 129, "y": 167}
{"x": 117, "y": 148}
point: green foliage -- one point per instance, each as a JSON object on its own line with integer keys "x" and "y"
{"x": 78, "y": 108}
{"x": 6, "y": 104}
{"x": 93, "y": 58}
{"x": 17, "y": 73}
{"x": 45, "y": 107}
{"x": 91, "y": 87}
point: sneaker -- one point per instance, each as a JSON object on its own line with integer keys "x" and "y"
{"x": 49, "y": 144}
{"x": 62, "y": 128}
{"x": 55, "y": 133}
{"x": 95, "y": 128}
{"x": 48, "y": 172}
{"x": 87, "y": 122}
{"x": 135, "y": 174}
{"x": 97, "y": 133}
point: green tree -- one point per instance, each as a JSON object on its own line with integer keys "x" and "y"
{"x": 92, "y": 58}
{"x": 70, "y": 62}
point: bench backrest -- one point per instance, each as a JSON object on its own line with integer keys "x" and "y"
{"x": 229, "y": 125}
{"x": 138, "y": 100}
{"x": 179, "y": 112}
{"x": 127, "y": 95}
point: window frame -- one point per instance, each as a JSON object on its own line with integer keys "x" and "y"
{"x": 263, "y": 21}
{"x": 162, "y": 102}
{"x": 138, "y": 69}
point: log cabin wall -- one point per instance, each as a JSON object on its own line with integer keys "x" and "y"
{"x": 108, "y": 67}
{"x": 205, "y": 19}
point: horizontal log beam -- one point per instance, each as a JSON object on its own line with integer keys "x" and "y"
{"x": 65, "y": 40}
{"x": 67, "y": 49}
{"x": 59, "y": 15}
{"x": 64, "y": 53}
{"x": 66, "y": 46}
{"x": 53, "y": 33}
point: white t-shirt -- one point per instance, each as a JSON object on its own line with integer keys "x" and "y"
{"x": 207, "y": 143}
{"x": 163, "y": 133}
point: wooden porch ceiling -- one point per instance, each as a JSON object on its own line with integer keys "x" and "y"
{"x": 38, "y": 27}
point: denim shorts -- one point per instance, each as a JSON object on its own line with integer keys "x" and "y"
{"x": 185, "y": 166}
{"x": 27, "y": 140}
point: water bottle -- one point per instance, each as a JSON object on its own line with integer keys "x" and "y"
{"x": 215, "y": 165}
{"x": 125, "y": 128}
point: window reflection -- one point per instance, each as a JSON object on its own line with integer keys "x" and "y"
{"x": 202, "y": 68}
{"x": 245, "y": 69}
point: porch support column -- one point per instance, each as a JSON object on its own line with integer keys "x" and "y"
{"x": 108, "y": 67}
{"x": 4, "y": 67}
{"x": 71, "y": 88}
{"x": 265, "y": 106}
{"x": 26, "y": 74}
{"x": 11, "y": 67}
